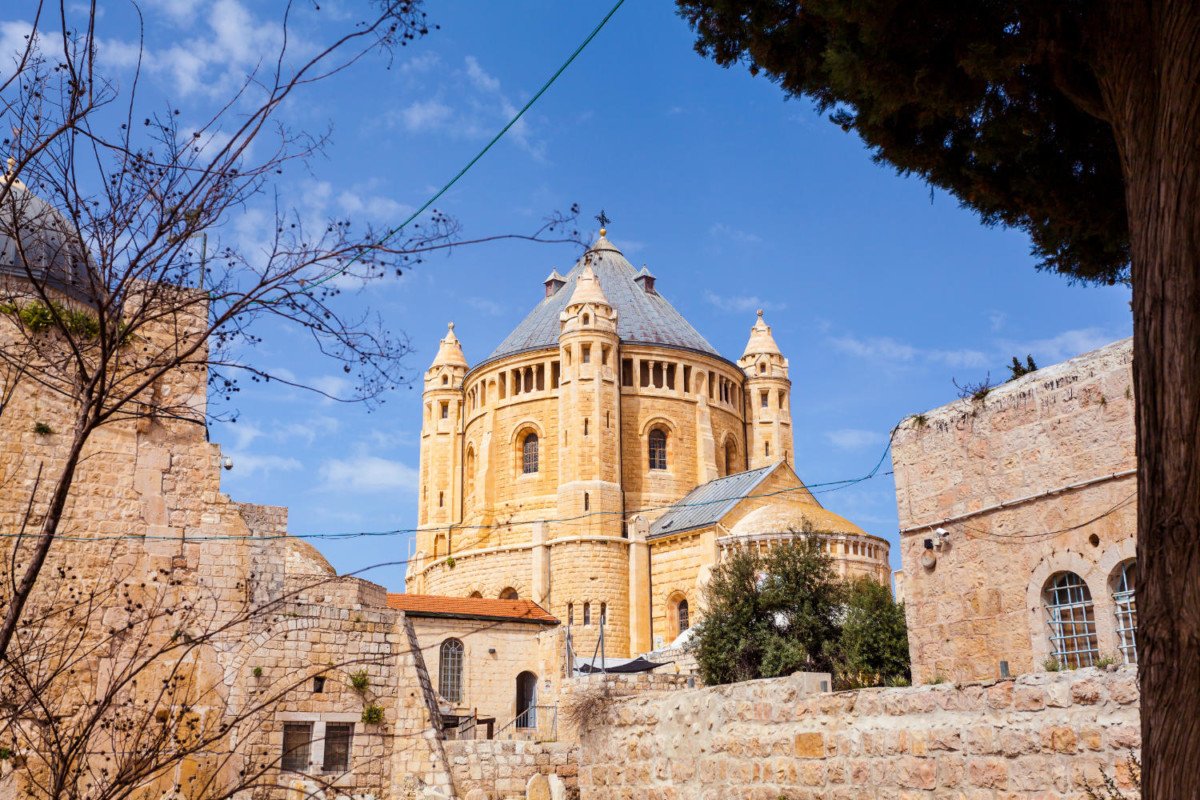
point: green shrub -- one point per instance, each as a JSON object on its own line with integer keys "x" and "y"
{"x": 258, "y": 672}
{"x": 360, "y": 680}
{"x": 372, "y": 715}
{"x": 42, "y": 429}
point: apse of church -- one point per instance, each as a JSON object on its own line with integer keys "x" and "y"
{"x": 545, "y": 466}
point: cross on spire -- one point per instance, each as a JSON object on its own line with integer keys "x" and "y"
{"x": 603, "y": 219}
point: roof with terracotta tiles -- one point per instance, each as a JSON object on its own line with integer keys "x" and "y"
{"x": 435, "y": 605}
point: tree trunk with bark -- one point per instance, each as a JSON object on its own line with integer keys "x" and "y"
{"x": 1150, "y": 79}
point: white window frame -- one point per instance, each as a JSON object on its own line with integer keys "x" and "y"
{"x": 1125, "y": 608}
{"x": 1071, "y": 617}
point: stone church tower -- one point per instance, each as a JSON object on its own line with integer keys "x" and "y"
{"x": 565, "y": 467}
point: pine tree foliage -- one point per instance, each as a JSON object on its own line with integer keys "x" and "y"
{"x": 969, "y": 96}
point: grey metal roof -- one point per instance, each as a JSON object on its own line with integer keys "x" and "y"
{"x": 708, "y": 502}
{"x": 641, "y": 317}
{"x": 45, "y": 239}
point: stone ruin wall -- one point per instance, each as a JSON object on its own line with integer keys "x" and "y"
{"x": 1037, "y": 737}
{"x": 146, "y": 507}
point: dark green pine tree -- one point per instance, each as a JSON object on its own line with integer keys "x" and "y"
{"x": 1079, "y": 123}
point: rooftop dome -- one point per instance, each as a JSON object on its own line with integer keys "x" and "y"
{"x": 643, "y": 317}
{"x": 44, "y": 248}
{"x": 793, "y": 516}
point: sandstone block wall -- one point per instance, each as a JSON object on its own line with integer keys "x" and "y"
{"x": 500, "y": 770}
{"x": 1037, "y": 737}
{"x": 1033, "y": 480}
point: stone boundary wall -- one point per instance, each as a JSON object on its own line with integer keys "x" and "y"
{"x": 618, "y": 685}
{"x": 485, "y": 769}
{"x": 1042, "y": 736}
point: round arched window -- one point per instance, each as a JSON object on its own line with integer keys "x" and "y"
{"x": 529, "y": 454}
{"x": 1072, "y": 620}
{"x": 450, "y": 670}
{"x": 509, "y": 593}
{"x": 658, "y": 449}
{"x": 1125, "y": 606}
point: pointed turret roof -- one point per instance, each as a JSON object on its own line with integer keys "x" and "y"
{"x": 587, "y": 289}
{"x": 450, "y": 352}
{"x": 642, "y": 318}
{"x": 761, "y": 340}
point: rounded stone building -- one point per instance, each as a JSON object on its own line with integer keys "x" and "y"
{"x": 549, "y": 469}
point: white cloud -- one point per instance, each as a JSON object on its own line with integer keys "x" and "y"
{"x": 997, "y": 319}
{"x": 333, "y": 385}
{"x": 854, "y": 438}
{"x": 478, "y": 108}
{"x": 368, "y": 474}
{"x": 730, "y": 234}
{"x": 741, "y": 303}
{"x": 489, "y": 307}
{"x": 422, "y": 62}
{"x": 425, "y": 115}
{"x": 244, "y": 434}
{"x": 1067, "y": 344}
{"x": 247, "y": 464}
{"x": 885, "y": 348}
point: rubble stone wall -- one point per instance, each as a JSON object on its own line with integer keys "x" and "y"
{"x": 1042, "y": 736}
{"x": 500, "y": 770}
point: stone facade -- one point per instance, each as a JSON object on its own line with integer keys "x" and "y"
{"x": 1032, "y": 487}
{"x": 252, "y": 629}
{"x": 544, "y": 465}
{"x": 1038, "y": 737}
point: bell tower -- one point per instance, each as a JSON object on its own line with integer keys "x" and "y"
{"x": 589, "y": 407}
{"x": 768, "y": 399}
{"x": 440, "y": 502}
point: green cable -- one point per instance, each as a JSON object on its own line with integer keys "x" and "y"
{"x": 489, "y": 145}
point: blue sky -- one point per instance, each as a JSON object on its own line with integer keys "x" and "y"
{"x": 879, "y": 293}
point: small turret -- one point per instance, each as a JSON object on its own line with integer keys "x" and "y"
{"x": 768, "y": 398}
{"x": 441, "y": 432}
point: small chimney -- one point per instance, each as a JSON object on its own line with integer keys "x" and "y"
{"x": 554, "y": 282}
{"x": 646, "y": 280}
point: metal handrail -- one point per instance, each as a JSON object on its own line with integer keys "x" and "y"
{"x": 529, "y": 720}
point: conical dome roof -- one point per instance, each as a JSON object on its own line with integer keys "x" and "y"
{"x": 449, "y": 351}
{"x": 46, "y": 239}
{"x": 642, "y": 317}
{"x": 761, "y": 340}
{"x": 587, "y": 289}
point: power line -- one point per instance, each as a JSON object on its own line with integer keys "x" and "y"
{"x": 545, "y": 86}
{"x": 821, "y": 488}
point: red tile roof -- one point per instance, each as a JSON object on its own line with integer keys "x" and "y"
{"x": 434, "y": 605}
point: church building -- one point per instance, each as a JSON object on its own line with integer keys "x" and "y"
{"x": 604, "y": 456}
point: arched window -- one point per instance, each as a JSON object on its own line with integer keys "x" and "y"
{"x": 587, "y": 502}
{"x": 476, "y": 593}
{"x": 450, "y": 670}
{"x": 658, "y": 449}
{"x": 1125, "y": 605}
{"x": 681, "y": 615}
{"x": 570, "y": 613}
{"x": 529, "y": 454}
{"x": 509, "y": 593}
{"x": 603, "y": 613}
{"x": 587, "y": 613}
{"x": 731, "y": 459}
{"x": 1072, "y": 621}
{"x": 470, "y": 469}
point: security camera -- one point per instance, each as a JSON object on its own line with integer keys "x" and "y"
{"x": 940, "y": 537}
{"x": 227, "y": 463}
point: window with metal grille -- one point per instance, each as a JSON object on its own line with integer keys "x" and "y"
{"x": 338, "y": 737}
{"x": 1072, "y": 621}
{"x": 1125, "y": 605}
{"x": 529, "y": 454}
{"x": 658, "y": 449}
{"x": 450, "y": 669}
{"x": 682, "y": 611}
{"x": 297, "y": 739}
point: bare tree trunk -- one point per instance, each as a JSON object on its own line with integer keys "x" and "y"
{"x": 1151, "y": 84}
